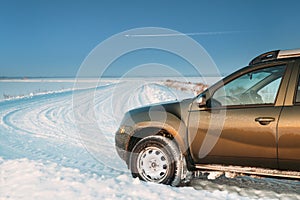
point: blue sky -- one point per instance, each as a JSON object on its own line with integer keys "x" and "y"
{"x": 52, "y": 38}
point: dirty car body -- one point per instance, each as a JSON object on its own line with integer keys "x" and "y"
{"x": 249, "y": 122}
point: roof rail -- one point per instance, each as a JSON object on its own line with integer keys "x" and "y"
{"x": 271, "y": 55}
{"x": 274, "y": 55}
{"x": 288, "y": 53}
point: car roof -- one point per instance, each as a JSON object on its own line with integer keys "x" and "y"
{"x": 275, "y": 55}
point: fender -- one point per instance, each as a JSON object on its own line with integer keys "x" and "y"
{"x": 171, "y": 125}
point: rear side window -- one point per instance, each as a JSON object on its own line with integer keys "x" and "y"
{"x": 298, "y": 91}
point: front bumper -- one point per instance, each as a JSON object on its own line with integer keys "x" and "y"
{"x": 122, "y": 138}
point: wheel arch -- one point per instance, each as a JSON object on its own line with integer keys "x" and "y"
{"x": 172, "y": 128}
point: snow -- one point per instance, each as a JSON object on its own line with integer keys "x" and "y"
{"x": 43, "y": 155}
{"x": 26, "y": 179}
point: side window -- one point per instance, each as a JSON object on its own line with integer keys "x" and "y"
{"x": 298, "y": 91}
{"x": 269, "y": 92}
{"x": 257, "y": 87}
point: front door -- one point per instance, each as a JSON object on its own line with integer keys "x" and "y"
{"x": 238, "y": 125}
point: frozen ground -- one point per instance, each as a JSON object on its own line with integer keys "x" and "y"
{"x": 43, "y": 155}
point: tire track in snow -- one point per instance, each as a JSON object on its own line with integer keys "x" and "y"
{"x": 44, "y": 129}
{"x": 109, "y": 106}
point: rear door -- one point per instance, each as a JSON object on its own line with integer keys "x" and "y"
{"x": 289, "y": 125}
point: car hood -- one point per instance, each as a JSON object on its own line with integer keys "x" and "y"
{"x": 176, "y": 108}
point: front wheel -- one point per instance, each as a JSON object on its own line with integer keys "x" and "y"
{"x": 157, "y": 159}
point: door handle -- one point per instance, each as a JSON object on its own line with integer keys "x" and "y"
{"x": 265, "y": 120}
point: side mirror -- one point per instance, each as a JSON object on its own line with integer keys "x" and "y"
{"x": 201, "y": 101}
{"x": 213, "y": 103}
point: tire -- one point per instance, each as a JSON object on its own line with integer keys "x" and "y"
{"x": 156, "y": 159}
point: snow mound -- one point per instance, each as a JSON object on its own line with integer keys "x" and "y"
{"x": 195, "y": 88}
{"x": 154, "y": 93}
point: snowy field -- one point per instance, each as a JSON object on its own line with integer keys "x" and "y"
{"x": 43, "y": 155}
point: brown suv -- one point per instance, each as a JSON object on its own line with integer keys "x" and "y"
{"x": 248, "y": 123}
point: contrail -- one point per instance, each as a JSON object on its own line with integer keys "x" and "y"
{"x": 183, "y": 34}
